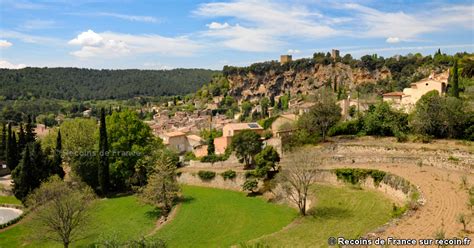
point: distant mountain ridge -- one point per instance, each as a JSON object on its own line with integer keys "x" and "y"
{"x": 87, "y": 84}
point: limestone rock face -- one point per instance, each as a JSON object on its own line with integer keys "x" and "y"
{"x": 250, "y": 86}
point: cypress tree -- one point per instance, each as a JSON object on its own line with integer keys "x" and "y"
{"x": 30, "y": 134}
{"x": 21, "y": 139}
{"x": 211, "y": 149}
{"x": 455, "y": 79}
{"x": 103, "y": 172}
{"x": 3, "y": 143}
{"x": 57, "y": 159}
{"x": 23, "y": 176}
{"x": 12, "y": 149}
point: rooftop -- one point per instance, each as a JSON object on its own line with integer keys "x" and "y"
{"x": 174, "y": 134}
{"x": 243, "y": 126}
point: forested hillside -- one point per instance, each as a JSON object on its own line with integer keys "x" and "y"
{"x": 84, "y": 84}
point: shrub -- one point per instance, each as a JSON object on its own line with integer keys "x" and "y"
{"x": 213, "y": 158}
{"x": 250, "y": 185}
{"x": 206, "y": 175}
{"x": 228, "y": 174}
{"x": 397, "y": 211}
{"x": 351, "y": 127}
{"x": 189, "y": 156}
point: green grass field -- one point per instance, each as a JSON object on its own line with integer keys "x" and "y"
{"x": 221, "y": 218}
{"x": 339, "y": 211}
{"x": 9, "y": 200}
{"x": 122, "y": 217}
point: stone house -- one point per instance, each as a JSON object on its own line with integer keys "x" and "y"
{"x": 407, "y": 99}
{"x": 231, "y": 129}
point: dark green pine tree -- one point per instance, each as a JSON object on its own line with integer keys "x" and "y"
{"x": 57, "y": 162}
{"x": 23, "y": 176}
{"x": 41, "y": 164}
{"x": 12, "y": 149}
{"x": 455, "y": 79}
{"x": 103, "y": 172}
{"x": 211, "y": 149}
{"x": 30, "y": 134}
{"x": 21, "y": 139}
{"x": 3, "y": 143}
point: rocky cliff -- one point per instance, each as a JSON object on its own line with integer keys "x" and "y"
{"x": 251, "y": 85}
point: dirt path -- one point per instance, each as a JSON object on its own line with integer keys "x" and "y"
{"x": 445, "y": 199}
{"x": 162, "y": 222}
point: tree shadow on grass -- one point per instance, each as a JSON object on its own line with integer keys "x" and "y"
{"x": 329, "y": 213}
{"x": 185, "y": 199}
{"x": 153, "y": 214}
{"x": 254, "y": 194}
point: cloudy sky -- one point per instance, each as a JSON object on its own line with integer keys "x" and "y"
{"x": 164, "y": 34}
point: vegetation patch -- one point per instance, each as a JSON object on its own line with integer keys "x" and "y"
{"x": 206, "y": 175}
{"x": 355, "y": 176}
{"x": 228, "y": 174}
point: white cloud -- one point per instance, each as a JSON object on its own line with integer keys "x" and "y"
{"x": 28, "y": 38}
{"x": 88, "y": 38}
{"x": 293, "y": 51}
{"x": 5, "y": 43}
{"x": 216, "y": 25}
{"x": 392, "y": 40}
{"x": 401, "y": 26}
{"x": 109, "y": 44}
{"x": 263, "y": 25}
{"x": 38, "y": 24}
{"x": 8, "y": 65}
{"x": 130, "y": 17}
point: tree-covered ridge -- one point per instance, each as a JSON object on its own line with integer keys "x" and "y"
{"x": 85, "y": 84}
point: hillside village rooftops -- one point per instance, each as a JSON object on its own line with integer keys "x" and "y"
{"x": 194, "y": 137}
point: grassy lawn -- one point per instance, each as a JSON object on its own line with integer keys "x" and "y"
{"x": 221, "y": 218}
{"x": 9, "y": 200}
{"x": 124, "y": 218}
{"x": 339, "y": 211}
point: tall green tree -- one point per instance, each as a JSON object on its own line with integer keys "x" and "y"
{"x": 56, "y": 165}
{"x": 322, "y": 116}
{"x": 162, "y": 188}
{"x": 129, "y": 139}
{"x": 103, "y": 172}
{"x": 30, "y": 133}
{"x": 23, "y": 176}
{"x": 33, "y": 168}
{"x": 455, "y": 90}
{"x": 265, "y": 103}
{"x": 21, "y": 139}
{"x": 3, "y": 142}
{"x": 12, "y": 155}
{"x": 211, "y": 149}
{"x": 246, "y": 145}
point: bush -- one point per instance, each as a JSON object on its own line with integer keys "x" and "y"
{"x": 213, "y": 158}
{"x": 228, "y": 174}
{"x": 250, "y": 185}
{"x": 351, "y": 127}
{"x": 189, "y": 156}
{"x": 206, "y": 175}
{"x": 397, "y": 211}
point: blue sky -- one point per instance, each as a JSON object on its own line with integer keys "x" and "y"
{"x": 166, "y": 34}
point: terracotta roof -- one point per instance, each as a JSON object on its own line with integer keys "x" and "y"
{"x": 174, "y": 134}
{"x": 397, "y": 93}
{"x": 243, "y": 126}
